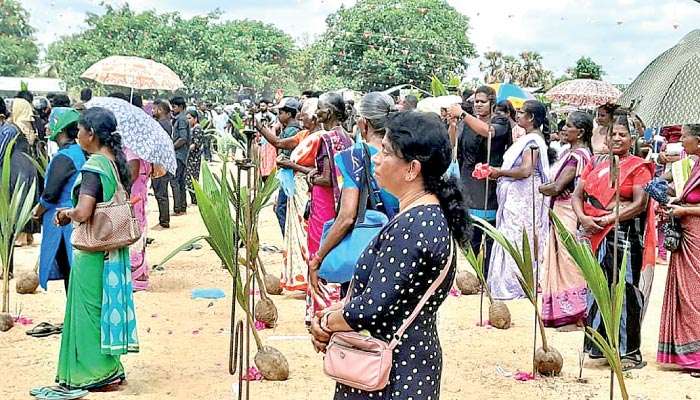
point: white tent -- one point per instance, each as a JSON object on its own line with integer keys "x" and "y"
{"x": 41, "y": 86}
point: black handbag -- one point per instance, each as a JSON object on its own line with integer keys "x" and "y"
{"x": 672, "y": 234}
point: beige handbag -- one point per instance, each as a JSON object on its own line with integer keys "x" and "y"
{"x": 363, "y": 362}
{"x": 112, "y": 225}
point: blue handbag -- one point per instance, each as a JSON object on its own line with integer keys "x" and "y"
{"x": 338, "y": 265}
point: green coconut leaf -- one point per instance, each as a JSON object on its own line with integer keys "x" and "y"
{"x": 609, "y": 300}
{"x": 180, "y": 248}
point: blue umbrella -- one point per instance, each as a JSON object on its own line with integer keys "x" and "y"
{"x": 140, "y": 133}
{"x": 514, "y": 93}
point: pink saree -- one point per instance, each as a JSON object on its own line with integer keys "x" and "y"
{"x": 139, "y": 198}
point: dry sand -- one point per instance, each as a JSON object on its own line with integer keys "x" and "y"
{"x": 184, "y": 342}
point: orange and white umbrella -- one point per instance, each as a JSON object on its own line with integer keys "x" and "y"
{"x": 134, "y": 73}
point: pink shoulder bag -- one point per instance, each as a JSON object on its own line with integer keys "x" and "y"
{"x": 364, "y": 362}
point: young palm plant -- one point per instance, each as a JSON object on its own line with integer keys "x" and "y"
{"x": 609, "y": 299}
{"x": 218, "y": 201}
{"x": 15, "y": 211}
{"x": 499, "y": 315}
{"x": 546, "y": 359}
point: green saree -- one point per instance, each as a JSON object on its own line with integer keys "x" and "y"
{"x": 100, "y": 323}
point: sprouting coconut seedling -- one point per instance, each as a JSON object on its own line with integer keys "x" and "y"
{"x": 499, "y": 315}
{"x": 609, "y": 299}
{"x": 546, "y": 360}
{"x": 15, "y": 211}
{"x": 28, "y": 282}
{"x": 216, "y": 200}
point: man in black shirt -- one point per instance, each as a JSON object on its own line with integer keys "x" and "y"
{"x": 161, "y": 112}
{"x": 181, "y": 141}
{"x": 472, "y": 149}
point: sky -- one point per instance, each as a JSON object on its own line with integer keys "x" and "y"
{"x": 622, "y": 35}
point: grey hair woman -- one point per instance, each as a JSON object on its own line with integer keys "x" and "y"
{"x": 374, "y": 110}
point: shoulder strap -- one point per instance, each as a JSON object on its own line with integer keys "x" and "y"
{"x": 119, "y": 195}
{"x": 366, "y": 183}
{"x": 431, "y": 290}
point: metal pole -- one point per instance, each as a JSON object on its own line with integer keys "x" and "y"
{"x": 535, "y": 278}
{"x": 482, "y": 246}
{"x": 616, "y": 172}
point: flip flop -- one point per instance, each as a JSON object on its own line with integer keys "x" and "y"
{"x": 637, "y": 365}
{"x": 44, "y": 329}
{"x": 57, "y": 393}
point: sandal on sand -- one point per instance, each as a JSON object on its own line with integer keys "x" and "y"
{"x": 695, "y": 374}
{"x": 45, "y": 329}
{"x": 629, "y": 364}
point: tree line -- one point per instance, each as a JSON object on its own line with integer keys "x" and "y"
{"x": 372, "y": 45}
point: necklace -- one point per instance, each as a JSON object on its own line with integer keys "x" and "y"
{"x": 414, "y": 198}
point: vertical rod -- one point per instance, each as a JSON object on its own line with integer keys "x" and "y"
{"x": 535, "y": 278}
{"x": 482, "y": 246}
{"x": 616, "y": 171}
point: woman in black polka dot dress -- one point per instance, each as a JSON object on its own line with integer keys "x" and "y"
{"x": 401, "y": 263}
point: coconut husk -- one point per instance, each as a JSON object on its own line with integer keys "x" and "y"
{"x": 265, "y": 311}
{"x": 548, "y": 362}
{"x": 27, "y": 283}
{"x": 272, "y": 364}
{"x": 467, "y": 283}
{"x": 6, "y": 322}
{"x": 273, "y": 284}
{"x": 499, "y": 315}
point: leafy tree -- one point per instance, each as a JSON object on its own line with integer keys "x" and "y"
{"x": 377, "y": 44}
{"x": 214, "y": 59}
{"x": 18, "y": 51}
{"x": 586, "y": 68}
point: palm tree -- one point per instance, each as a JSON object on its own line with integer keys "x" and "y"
{"x": 533, "y": 74}
{"x": 493, "y": 67}
{"x": 512, "y": 68}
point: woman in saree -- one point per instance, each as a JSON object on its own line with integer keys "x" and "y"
{"x": 140, "y": 173}
{"x": 374, "y": 110}
{"x": 292, "y": 176}
{"x": 679, "y": 336}
{"x": 22, "y": 117}
{"x": 100, "y": 323}
{"x": 525, "y": 165}
{"x": 325, "y": 191}
{"x": 564, "y": 289}
{"x": 594, "y": 204}
{"x": 56, "y": 254}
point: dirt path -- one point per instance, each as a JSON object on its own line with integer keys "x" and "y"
{"x": 184, "y": 342}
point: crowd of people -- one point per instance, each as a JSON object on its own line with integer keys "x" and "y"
{"x": 336, "y": 162}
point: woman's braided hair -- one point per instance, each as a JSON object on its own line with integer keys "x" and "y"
{"x": 103, "y": 124}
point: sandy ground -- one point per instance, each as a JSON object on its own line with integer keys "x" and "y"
{"x": 184, "y": 342}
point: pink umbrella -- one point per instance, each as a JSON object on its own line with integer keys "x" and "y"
{"x": 584, "y": 93}
{"x": 134, "y": 73}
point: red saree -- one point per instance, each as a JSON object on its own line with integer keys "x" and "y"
{"x": 679, "y": 335}
{"x": 633, "y": 171}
